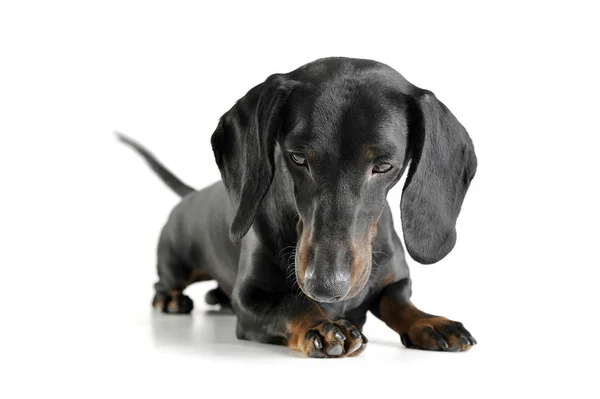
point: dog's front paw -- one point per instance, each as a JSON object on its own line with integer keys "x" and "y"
{"x": 333, "y": 339}
{"x": 438, "y": 333}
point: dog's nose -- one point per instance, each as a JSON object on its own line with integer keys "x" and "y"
{"x": 328, "y": 274}
{"x": 326, "y": 289}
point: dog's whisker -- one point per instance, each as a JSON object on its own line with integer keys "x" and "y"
{"x": 293, "y": 247}
{"x": 291, "y": 270}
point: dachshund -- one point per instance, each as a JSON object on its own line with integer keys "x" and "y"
{"x": 298, "y": 233}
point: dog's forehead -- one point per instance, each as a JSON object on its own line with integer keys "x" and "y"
{"x": 347, "y": 115}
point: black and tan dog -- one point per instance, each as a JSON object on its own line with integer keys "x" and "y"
{"x": 299, "y": 235}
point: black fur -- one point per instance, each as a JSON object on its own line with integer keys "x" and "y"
{"x": 287, "y": 241}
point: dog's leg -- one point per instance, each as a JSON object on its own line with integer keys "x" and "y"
{"x": 217, "y": 296}
{"x": 418, "y": 329}
{"x": 174, "y": 275}
{"x": 295, "y": 321}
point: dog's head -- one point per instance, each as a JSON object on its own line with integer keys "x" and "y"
{"x": 347, "y": 130}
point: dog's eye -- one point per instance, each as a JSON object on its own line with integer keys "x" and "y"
{"x": 299, "y": 159}
{"x": 382, "y": 168}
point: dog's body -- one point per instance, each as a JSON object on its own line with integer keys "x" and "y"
{"x": 307, "y": 159}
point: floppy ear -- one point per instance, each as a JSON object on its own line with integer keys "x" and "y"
{"x": 244, "y": 144}
{"x": 443, "y": 164}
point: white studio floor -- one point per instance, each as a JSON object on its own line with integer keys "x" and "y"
{"x": 136, "y": 352}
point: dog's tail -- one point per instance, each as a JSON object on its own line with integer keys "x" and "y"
{"x": 169, "y": 178}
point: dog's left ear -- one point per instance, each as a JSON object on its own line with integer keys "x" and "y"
{"x": 244, "y": 144}
{"x": 443, "y": 164}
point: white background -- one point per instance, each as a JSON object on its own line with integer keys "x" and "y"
{"x": 80, "y": 214}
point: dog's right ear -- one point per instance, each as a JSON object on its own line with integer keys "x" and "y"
{"x": 244, "y": 145}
